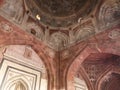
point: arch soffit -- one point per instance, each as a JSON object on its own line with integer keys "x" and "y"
{"x": 85, "y": 53}
{"x": 23, "y": 39}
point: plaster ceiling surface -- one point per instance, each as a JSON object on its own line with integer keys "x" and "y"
{"x": 61, "y": 13}
{"x": 61, "y": 7}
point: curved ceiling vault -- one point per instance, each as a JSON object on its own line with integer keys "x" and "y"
{"x": 62, "y": 23}
{"x": 54, "y": 27}
{"x": 61, "y": 13}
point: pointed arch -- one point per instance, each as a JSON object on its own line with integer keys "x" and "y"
{"x": 14, "y": 83}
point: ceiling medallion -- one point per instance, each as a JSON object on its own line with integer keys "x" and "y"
{"x": 60, "y": 13}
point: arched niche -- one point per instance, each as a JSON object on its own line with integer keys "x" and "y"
{"x": 92, "y": 67}
{"x": 21, "y": 64}
{"x": 17, "y": 85}
{"x": 96, "y": 64}
{"x": 20, "y": 86}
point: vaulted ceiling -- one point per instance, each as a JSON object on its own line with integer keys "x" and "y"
{"x": 62, "y": 13}
{"x": 71, "y": 36}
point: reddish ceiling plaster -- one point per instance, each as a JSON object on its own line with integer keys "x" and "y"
{"x": 63, "y": 65}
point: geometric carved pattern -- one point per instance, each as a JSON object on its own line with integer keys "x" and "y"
{"x": 94, "y": 69}
{"x": 95, "y": 65}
